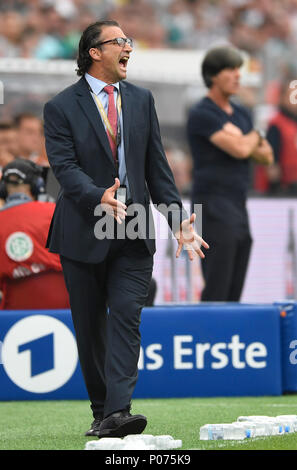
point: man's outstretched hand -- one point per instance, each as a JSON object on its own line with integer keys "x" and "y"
{"x": 111, "y": 205}
{"x": 189, "y": 239}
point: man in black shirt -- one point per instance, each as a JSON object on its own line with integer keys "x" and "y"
{"x": 223, "y": 141}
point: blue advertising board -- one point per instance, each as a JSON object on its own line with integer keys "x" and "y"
{"x": 288, "y": 313}
{"x": 210, "y": 350}
{"x": 186, "y": 351}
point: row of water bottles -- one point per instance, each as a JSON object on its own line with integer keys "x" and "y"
{"x": 250, "y": 426}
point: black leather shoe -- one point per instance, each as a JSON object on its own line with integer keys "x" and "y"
{"x": 121, "y": 424}
{"x": 94, "y": 429}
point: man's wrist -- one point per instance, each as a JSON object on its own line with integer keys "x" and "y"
{"x": 261, "y": 135}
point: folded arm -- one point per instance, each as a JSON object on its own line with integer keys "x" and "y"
{"x": 231, "y": 140}
{"x": 234, "y": 143}
{"x": 263, "y": 154}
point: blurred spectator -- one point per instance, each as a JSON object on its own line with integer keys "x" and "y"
{"x": 30, "y": 276}
{"x": 281, "y": 178}
{"x": 50, "y": 45}
{"x": 8, "y": 141}
{"x": 5, "y": 158}
{"x": 181, "y": 167}
{"x": 8, "y": 138}
{"x": 12, "y": 25}
{"x": 139, "y": 21}
{"x": 195, "y": 24}
{"x": 29, "y": 136}
{"x": 179, "y": 22}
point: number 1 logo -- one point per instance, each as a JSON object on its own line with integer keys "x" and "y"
{"x": 39, "y": 354}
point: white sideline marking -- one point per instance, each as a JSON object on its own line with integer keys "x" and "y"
{"x": 279, "y": 404}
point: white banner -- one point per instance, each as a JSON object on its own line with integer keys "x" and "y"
{"x": 271, "y": 273}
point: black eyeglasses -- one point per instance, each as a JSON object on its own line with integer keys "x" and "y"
{"x": 119, "y": 41}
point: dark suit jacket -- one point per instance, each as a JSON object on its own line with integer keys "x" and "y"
{"x": 80, "y": 156}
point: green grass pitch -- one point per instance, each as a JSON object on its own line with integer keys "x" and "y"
{"x": 59, "y": 425}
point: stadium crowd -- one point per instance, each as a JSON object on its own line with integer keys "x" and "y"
{"x": 48, "y": 29}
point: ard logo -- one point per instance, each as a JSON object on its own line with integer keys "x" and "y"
{"x": 39, "y": 354}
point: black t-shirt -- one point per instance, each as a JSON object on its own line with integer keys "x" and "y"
{"x": 215, "y": 171}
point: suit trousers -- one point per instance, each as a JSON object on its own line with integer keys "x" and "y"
{"x": 225, "y": 227}
{"x": 106, "y": 300}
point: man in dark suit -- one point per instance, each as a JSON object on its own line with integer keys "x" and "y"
{"x": 101, "y": 134}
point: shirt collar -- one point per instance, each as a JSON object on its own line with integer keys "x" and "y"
{"x": 98, "y": 85}
{"x": 16, "y": 199}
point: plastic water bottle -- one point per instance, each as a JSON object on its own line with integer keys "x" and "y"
{"x": 106, "y": 443}
{"x": 248, "y": 426}
{"x": 167, "y": 443}
{"x": 286, "y": 424}
{"x": 260, "y": 428}
{"x": 212, "y": 432}
{"x": 271, "y": 427}
{"x": 147, "y": 439}
{"x": 130, "y": 445}
{"x": 289, "y": 419}
{"x": 229, "y": 431}
{"x": 138, "y": 442}
{"x": 266, "y": 425}
{"x": 254, "y": 418}
{"x": 158, "y": 442}
{"x": 91, "y": 445}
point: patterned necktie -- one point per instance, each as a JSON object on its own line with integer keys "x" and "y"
{"x": 113, "y": 120}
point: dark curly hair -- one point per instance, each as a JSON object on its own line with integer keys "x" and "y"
{"x": 89, "y": 39}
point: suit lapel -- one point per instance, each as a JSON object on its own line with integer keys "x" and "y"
{"x": 127, "y": 116}
{"x": 90, "y": 109}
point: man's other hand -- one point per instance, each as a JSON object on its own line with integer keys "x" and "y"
{"x": 189, "y": 239}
